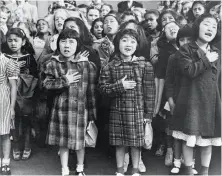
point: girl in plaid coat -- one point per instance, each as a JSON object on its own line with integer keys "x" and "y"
{"x": 72, "y": 79}
{"x": 129, "y": 81}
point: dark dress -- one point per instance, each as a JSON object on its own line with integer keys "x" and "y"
{"x": 198, "y": 104}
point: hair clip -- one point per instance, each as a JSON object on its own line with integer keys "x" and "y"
{"x": 23, "y": 33}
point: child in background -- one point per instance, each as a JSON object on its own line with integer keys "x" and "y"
{"x": 105, "y": 9}
{"x": 128, "y": 80}
{"x": 72, "y": 76}
{"x": 92, "y": 14}
{"x": 198, "y": 103}
{"x": 186, "y": 7}
{"x": 4, "y": 16}
{"x": 182, "y": 20}
{"x": 19, "y": 49}
{"x": 184, "y": 36}
{"x": 9, "y": 71}
{"x": 29, "y": 29}
{"x": 128, "y": 15}
{"x": 43, "y": 35}
{"x": 197, "y": 9}
{"x": 97, "y": 29}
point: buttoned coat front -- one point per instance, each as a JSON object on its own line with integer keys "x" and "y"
{"x": 128, "y": 107}
{"x": 198, "y": 103}
{"x": 71, "y": 102}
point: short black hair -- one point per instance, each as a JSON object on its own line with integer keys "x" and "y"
{"x": 174, "y": 14}
{"x": 196, "y": 27}
{"x": 69, "y": 33}
{"x": 120, "y": 35}
{"x": 93, "y": 24}
{"x": 190, "y": 14}
{"x": 185, "y": 31}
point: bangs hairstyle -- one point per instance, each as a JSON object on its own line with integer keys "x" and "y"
{"x": 93, "y": 24}
{"x": 174, "y": 14}
{"x": 26, "y": 49}
{"x": 185, "y": 31}
{"x": 126, "y": 32}
{"x": 115, "y": 15}
{"x": 196, "y": 27}
{"x": 71, "y": 34}
{"x": 85, "y": 35}
{"x": 109, "y": 5}
{"x": 92, "y": 8}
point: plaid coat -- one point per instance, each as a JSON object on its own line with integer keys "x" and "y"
{"x": 69, "y": 118}
{"x": 128, "y": 107}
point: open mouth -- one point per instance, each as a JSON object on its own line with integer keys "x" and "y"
{"x": 128, "y": 49}
{"x": 60, "y": 25}
{"x": 109, "y": 28}
{"x": 208, "y": 34}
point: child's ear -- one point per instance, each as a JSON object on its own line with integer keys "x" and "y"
{"x": 23, "y": 42}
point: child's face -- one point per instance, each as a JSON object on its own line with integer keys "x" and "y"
{"x": 105, "y": 10}
{"x": 186, "y": 8}
{"x": 15, "y": 43}
{"x": 184, "y": 40}
{"x": 215, "y": 11}
{"x": 127, "y": 18}
{"x": 127, "y": 45}
{"x": 110, "y": 25}
{"x": 183, "y": 22}
{"x": 3, "y": 18}
{"x": 166, "y": 18}
{"x": 72, "y": 25}
{"x": 68, "y": 47}
{"x": 92, "y": 15}
{"x": 98, "y": 29}
{"x": 171, "y": 31}
{"x": 198, "y": 9}
{"x": 207, "y": 30}
{"x": 42, "y": 26}
{"x": 59, "y": 20}
{"x": 151, "y": 20}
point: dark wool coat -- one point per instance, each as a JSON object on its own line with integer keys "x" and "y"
{"x": 128, "y": 107}
{"x": 198, "y": 104}
{"x": 68, "y": 120}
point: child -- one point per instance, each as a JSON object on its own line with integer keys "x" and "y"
{"x": 110, "y": 27}
{"x": 184, "y": 36}
{"x": 72, "y": 78}
{"x": 42, "y": 36}
{"x": 9, "y": 71}
{"x": 83, "y": 9}
{"x": 167, "y": 46}
{"x": 186, "y": 7}
{"x": 182, "y": 20}
{"x": 4, "y": 16}
{"x": 19, "y": 49}
{"x": 105, "y": 9}
{"x": 198, "y": 102}
{"x": 197, "y": 9}
{"x": 130, "y": 82}
{"x": 92, "y": 14}
{"x": 128, "y": 15}
{"x": 97, "y": 28}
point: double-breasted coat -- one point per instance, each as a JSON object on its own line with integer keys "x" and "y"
{"x": 128, "y": 107}
{"x": 198, "y": 103}
{"x": 69, "y": 118}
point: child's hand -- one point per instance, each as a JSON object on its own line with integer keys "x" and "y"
{"x": 73, "y": 78}
{"x": 212, "y": 56}
{"x": 128, "y": 84}
{"x": 21, "y": 63}
{"x": 84, "y": 54}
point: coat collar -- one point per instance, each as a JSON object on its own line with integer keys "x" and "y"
{"x": 195, "y": 46}
{"x": 75, "y": 59}
{"x": 117, "y": 61}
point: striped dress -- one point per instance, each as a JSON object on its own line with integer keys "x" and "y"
{"x": 8, "y": 70}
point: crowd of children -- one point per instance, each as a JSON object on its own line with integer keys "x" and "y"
{"x": 119, "y": 69}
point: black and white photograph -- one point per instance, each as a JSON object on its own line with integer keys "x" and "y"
{"x": 108, "y": 87}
